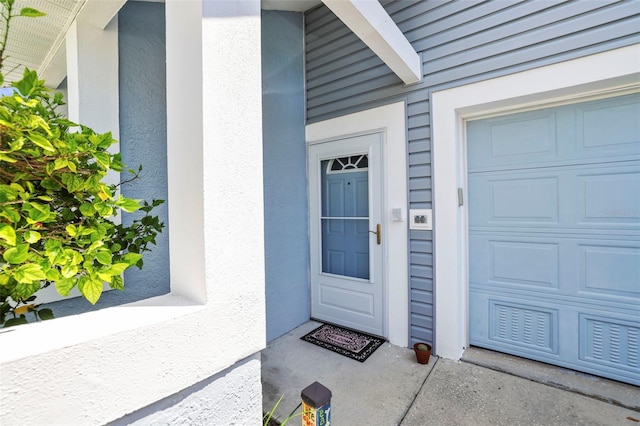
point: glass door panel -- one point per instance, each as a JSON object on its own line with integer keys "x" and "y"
{"x": 345, "y": 216}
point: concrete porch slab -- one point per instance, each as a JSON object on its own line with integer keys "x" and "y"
{"x": 391, "y": 388}
{"x": 378, "y": 391}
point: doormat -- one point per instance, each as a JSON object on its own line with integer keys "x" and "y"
{"x": 350, "y": 343}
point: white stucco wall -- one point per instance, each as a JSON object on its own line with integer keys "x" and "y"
{"x": 97, "y": 367}
{"x": 222, "y": 400}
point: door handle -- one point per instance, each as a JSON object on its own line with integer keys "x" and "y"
{"x": 378, "y": 233}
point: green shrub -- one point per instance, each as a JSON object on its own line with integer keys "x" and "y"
{"x": 56, "y": 211}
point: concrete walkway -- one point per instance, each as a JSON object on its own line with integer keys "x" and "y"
{"x": 391, "y": 388}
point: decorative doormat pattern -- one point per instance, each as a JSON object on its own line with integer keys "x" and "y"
{"x": 350, "y": 343}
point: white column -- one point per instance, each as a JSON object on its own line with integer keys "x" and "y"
{"x": 92, "y": 76}
{"x": 185, "y": 148}
{"x": 232, "y": 141}
{"x": 93, "y": 98}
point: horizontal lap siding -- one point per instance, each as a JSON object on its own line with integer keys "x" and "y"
{"x": 460, "y": 42}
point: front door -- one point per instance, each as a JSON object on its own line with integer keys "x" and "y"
{"x": 345, "y": 186}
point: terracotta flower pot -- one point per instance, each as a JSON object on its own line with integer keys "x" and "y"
{"x": 422, "y": 354}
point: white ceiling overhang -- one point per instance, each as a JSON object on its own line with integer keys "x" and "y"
{"x": 39, "y": 43}
{"x": 94, "y": 12}
{"x": 371, "y": 23}
{"x": 32, "y": 42}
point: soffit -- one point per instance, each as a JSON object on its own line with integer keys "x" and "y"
{"x": 37, "y": 43}
{"x": 33, "y": 42}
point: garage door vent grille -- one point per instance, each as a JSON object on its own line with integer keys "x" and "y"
{"x": 523, "y": 326}
{"x": 613, "y": 344}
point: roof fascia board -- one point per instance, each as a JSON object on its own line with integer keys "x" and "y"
{"x": 373, "y": 25}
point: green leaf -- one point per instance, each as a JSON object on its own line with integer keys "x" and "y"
{"x": 38, "y": 121}
{"x": 90, "y": 288}
{"x": 17, "y": 255}
{"x": 116, "y": 268}
{"x": 94, "y": 246}
{"x": 48, "y": 183}
{"x": 103, "y": 257}
{"x": 11, "y": 214}
{"x": 42, "y": 142}
{"x": 15, "y": 321}
{"x": 60, "y": 163}
{"x": 76, "y": 257}
{"x": 53, "y": 275}
{"x": 102, "y": 158}
{"x": 52, "y": 245}
{"x": 29, "y": 273}
{"x": 103, "y": 209}
{"x": 72, "y": 182}
{"x": 37, "y": 212}
{"x": 31, "y": 236}
{"x": 65, "y": 285}
{"x": 13, "y": 190}
{"x": 5, "y": 157}
{"x": 24, "y": 290}
{"x": 116, "y": 283}
{"x": 8, "y": 234}
{"x": 127, "y": 204}
{"x": 45, "y": 314}
{"x": 71, "y": 230}
{"x": 102, "y": 141}
{"x": 69, "y": 271}
{"x": 50, "y": 168}
{"x": 132, "y": 258}
{"x": 31, "y": 12}
{"x": 87, "y": 209}
{"x": 28, "y": 83}
{"x": 105, "y": 277}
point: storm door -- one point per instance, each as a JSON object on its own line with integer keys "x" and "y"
{"x": 346, "y": 232}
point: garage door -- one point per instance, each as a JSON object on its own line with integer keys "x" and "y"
{"x": 554, "y": 235}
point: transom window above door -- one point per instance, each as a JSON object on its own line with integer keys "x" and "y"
{"x": 347, "y": 164}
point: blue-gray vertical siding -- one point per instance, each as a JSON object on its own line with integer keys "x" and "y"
{"x": 143, "y": 141}
{"x": 460, "y": 41}
{"x": 285, "y": 182}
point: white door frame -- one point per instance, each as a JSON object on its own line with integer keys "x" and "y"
{"x": 599, "y": 75}
{"x": 390, "y": 120}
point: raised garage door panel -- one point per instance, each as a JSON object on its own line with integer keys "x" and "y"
{"x": 554, "y": 235}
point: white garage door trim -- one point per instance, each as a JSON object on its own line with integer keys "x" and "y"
{"x": 614, "y": 71}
